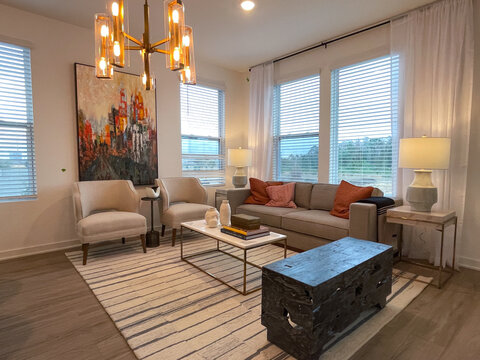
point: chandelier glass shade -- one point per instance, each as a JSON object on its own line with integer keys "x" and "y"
{"x": 111, "y": 38}
{"x": 103, "y": 65}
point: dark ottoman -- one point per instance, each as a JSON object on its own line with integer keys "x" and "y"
{"x": 309, "y": 297}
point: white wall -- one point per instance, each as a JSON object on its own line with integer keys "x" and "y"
{"x": 469, "y": 250}
{"x": 47, "y": 223}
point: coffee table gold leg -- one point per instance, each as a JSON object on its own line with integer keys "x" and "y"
{"x": 218, "y": 245}
{"x": 245, "y": 272}
{"x": 400, "y": 243}
{"x": 181, "y": 242}
{"x": 285, "y": 248}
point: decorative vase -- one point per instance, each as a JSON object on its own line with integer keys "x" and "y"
{"x": 212, "y": 217}
{"x": 225, "y": 212}
{"x": 152, "y": 192}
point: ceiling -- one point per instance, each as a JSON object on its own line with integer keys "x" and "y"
{"x": 226, "y": 35}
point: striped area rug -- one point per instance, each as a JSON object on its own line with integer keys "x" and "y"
{"x": 167, "y": 309}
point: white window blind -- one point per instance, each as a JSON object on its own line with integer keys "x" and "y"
{"x": 363, "y": 129}
{"x": 203, "y": 124}
{"x": 296, "y": 111}
{"x": 17, "y": 151}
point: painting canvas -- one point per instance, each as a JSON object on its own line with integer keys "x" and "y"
{"x": 117, "y": 128}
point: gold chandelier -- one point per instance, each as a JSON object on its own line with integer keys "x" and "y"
{"x": 110, "y": 44}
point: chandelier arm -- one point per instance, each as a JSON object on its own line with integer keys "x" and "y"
{"x": 132, "y": 39}
{"x": 161, "y": 42}
{"x": 161, "y": 51}
{"x": 129, "y": 47}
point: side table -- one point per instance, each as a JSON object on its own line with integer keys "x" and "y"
{"x": 437, "y": 220}
{"x": 153, "y": 236}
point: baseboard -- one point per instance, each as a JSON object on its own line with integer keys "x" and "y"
{"x": 469, "y": 263}
{"x": 50, "y": 247}
{"x": 38, "y": 249}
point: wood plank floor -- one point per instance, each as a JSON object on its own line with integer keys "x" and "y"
{"x": 48, "y": 312}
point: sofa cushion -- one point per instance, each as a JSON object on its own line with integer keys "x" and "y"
{"x": 281, "y": 195}
{"x": 346, "y": 194}
{"x": 110, "y": 221}
{"x": 303, "y": 192}
{"x": 323, "y": 196}
{"x": 316, "y": 223}
{"x": 258, "y": 191}
{"x": 271, "y": 216}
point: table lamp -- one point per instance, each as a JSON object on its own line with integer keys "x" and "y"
{"x": 240, "y": 158}
{"x": 423, "y": 155}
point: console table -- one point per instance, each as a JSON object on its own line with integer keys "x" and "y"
{"x": 437, "y": 220}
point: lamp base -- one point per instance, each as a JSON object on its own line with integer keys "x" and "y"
{"x": 422, "y": 194}
{"x": 239, "y": 179}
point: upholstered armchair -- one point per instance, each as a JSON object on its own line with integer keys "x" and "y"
{"x": 183, "y": 199}
{"x": 107, "y": 210}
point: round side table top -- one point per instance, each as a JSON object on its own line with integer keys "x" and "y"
{"x": 146, "y": 198}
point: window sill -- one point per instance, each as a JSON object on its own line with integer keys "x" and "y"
{"x": 13, "y": 199}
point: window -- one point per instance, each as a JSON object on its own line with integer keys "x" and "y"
{"x": 296, "y": 107}
{"x": 203, "y": 123}
{"x": 17, "y": 152}
{"x": 363, "y": 124}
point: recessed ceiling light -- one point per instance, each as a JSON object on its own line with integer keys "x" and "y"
{"x": 247, "y": 5}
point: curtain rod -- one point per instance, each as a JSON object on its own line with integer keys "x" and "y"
{"x": 325, "y": 43}
{"x": 328, "y": 42}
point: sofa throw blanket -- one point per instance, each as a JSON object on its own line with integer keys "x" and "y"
{"x": 382, "y": 203}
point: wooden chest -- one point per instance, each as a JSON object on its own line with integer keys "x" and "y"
{"x": 309, "y": 298}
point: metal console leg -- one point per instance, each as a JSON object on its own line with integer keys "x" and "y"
{"x": 440, "y": 267}
{"x": 454, "y": 245}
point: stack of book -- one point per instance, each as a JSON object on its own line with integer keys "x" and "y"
{"x": 246, "y": 227}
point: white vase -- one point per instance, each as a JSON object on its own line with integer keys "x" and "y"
{"x": 152, "y": 193}
{"x": 225, "y": 212}
{"x": 212, "y": 217}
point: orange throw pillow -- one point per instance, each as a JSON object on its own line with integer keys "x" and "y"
{"x": 346, "y": 194}
{"x": 258, "y": 191}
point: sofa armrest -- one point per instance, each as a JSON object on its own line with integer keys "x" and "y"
{"x": 363, "y": 221}
{"x": 236, "y": 197}
{"x": 398, "y": 201}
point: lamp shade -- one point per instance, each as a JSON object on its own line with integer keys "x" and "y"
{"x": 424, "y": 153}
{"x": 239, "y": 157}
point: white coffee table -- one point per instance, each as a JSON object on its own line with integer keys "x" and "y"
{"x": 200, "y": 226}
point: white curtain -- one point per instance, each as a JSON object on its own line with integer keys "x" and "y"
{"x": 260, "y": 129}
{"x": 435, "y": 49}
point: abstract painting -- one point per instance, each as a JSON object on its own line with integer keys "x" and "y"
{"x": 116, "y": 127}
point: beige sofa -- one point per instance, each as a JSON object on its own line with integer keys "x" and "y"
{"x": 311, "y": 225}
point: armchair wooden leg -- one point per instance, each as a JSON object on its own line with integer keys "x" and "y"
{"x": 123, "y": 240}
{"x": 174, "y": 234}
{"x": 144, "y": 242}
{"x": 85, "y": 253}
{"x": 163, "y": 230}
